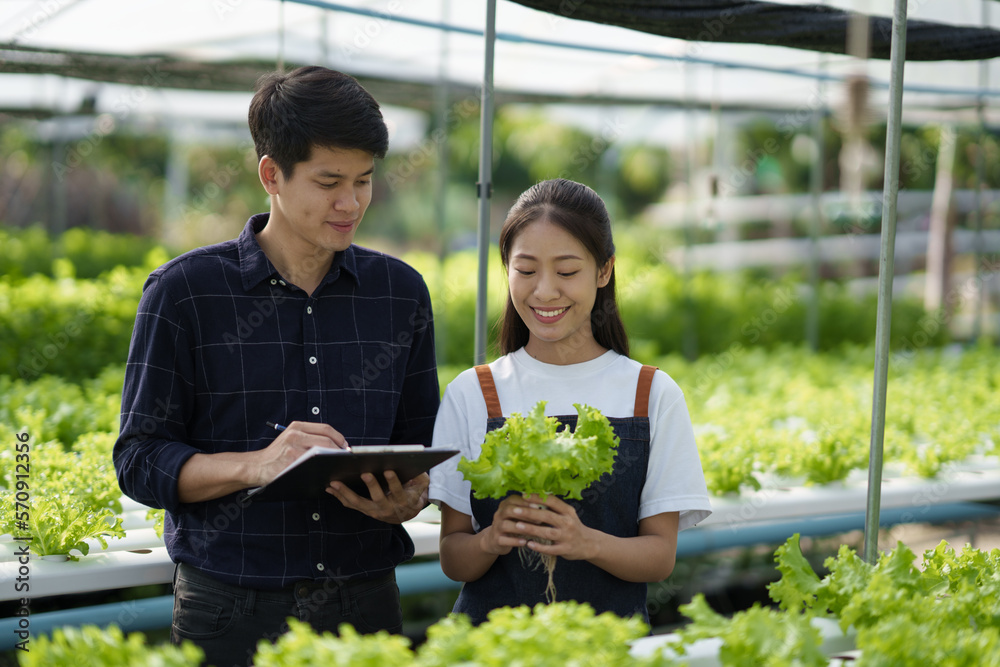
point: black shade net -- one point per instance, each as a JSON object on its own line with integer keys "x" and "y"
{"x": 807, "y": 26}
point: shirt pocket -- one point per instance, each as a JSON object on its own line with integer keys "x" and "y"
{"x": 370, "y": 372}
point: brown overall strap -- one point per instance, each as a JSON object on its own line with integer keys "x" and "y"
{"x": 489, "y": 391}
{"x": 642, "y": 391}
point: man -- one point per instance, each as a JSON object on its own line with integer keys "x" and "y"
{"x": 292, "y": 324}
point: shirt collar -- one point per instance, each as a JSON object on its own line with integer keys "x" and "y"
{"x": 255, "y": 267}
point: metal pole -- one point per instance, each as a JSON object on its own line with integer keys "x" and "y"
{"x": 980, "y": 302}
{"x": 324, "y": 37}
{"x": 816, "y": 226}
{"x": 178, "y": 181}
{"x": 689, "y": 336}
{"x": 890, "y": 189}
{"x": 485, "y": 185}
{"x": 984, "y": 79}
{"x": 280, "y": 66}
{"x": 816, "y": 220}
{"x": 441, "y": 93}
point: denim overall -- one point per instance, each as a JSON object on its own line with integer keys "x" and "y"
{"x": 611, "y": 505}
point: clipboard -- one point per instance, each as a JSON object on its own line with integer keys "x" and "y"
{"x": 310, "y": 474}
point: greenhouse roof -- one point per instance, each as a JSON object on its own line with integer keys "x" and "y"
{"x": 708, "y": 54}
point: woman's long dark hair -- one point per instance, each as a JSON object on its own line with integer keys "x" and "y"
{"x": 581, "y": 212}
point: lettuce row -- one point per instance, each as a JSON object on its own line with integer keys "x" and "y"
{"x": 946, "y": 612}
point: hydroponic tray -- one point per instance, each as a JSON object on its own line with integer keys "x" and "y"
{"x": 705, "y": 652}
{"x": 776, "y": 500}
{"x": 139, "y": 559}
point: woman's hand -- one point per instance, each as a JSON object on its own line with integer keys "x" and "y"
{"x": 518, "y": 522}
{"x": 555, "y": 529}
{"x": 500, "y": 537}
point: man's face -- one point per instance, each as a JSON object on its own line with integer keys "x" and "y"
{"x": 318, "y": 209}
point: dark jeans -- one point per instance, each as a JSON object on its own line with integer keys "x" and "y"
{"x": 227, "y": 621}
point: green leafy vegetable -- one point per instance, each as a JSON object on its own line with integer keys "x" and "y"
{"x": 562, "y": 633}
{"x": 946, "y": 612}
{"x": 59, "y": 524}
{"x": 157, "y": 516}
{"x": 529, "y": 454}
{"x": 70, "y": 496}
{"x": 756, "y": 636}
{"x": 90, "y": 646}
{"x": 532, "y": 455}
{"x": 927, "y": 635}
{"x": 301, "y": 646}
{"x": 799, "y": 583}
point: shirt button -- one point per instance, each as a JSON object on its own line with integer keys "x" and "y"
{"x": 319, "y": 566}
{"x": 312, "y": 360}
{"x": 315, "y": 411}
{"x": 309, "y": 309}
{"x": 273, "y": 281}
{"x": 282, "y": 282}
{"x": 315, "y": 516}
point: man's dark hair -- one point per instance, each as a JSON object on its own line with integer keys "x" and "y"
{"x": 313, "y": 106}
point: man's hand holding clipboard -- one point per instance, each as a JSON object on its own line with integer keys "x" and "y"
{"x": 349, "y": 474}
{"x": 400, "y": 503}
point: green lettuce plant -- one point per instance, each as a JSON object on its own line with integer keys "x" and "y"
{"x": 59, "y": 524}
{"x": 91, "y": 646}
{"x": 561, "y": 633}
{"x": 531, "y": 455}
{"x": 301, "y": 646}
{"x": 950, "y": 605}
{"x": 66, "y": 497}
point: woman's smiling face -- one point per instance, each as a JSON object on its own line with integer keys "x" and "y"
{"x": 553, "y": 284}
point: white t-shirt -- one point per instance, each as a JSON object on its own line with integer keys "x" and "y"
{"x": 674, "y": 478}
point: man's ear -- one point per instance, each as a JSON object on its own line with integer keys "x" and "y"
{"x": 604, "y": 273}
{"x": 269, "y": 173}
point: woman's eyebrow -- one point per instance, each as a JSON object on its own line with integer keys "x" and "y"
{"x": 524, "y": 255}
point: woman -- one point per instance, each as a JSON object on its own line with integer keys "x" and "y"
{"x": 564, "y": 342}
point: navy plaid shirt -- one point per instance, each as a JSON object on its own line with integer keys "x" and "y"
{"x": 222, "y": 345}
